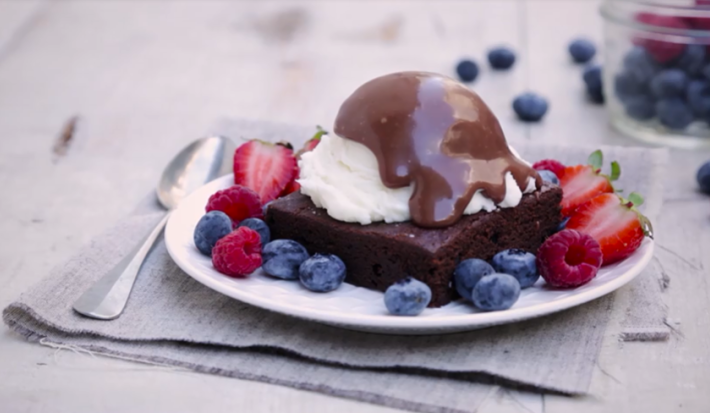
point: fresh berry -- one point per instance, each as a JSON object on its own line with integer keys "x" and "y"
{"x": 614, "y": 223}
{"x": 322, "y": 273}
{"x": 211, "y": 228}
{"x": 530, "y": 107}
{"x": 593, "y": 81}
{"x": 669, "y": 83}
{"x": 706, "y": 72}
{"x": 583, "y": 182}
{"x": 692, "y": 60}
{"x": 238, "y": 202}
{"x": 627, "y": 86}
{"x": 312, "y": 143}
{"x": 582, "y": 50}
{"x": 237, "y": 254}
{"x": 703, "y": 177}
{"x": 661, "y": 50}
{"x": 556, "y": 167}
{"x": 292, "y": 186}
{"x": 496, "y": 292}
{"x": 265, "y": 168}
{"x": 468, "y": 273}
{"x": 260, "y": 227}
{"x": 549, "y": 176}
{"x": 467, "y": 70}
{"x": 518, "y": 263}
{"x": 639, "y": 65}
{"x": 501, "y": 58}
{"x": 698, "y": 98}
{"x": 569, "y": 259}
{"x": 283, "y": 257}
{"x": 407, "y": 297}
{"x": 642, "y": 107}
{"x": 674, "y": 113}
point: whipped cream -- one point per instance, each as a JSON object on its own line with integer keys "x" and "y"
{"x": 342, "y": 177}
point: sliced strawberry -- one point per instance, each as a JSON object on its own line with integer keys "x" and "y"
{"x": 581, "y": 183}
{"x": 265, "y": 168}
{"x": 292, "y": 186}
{"x": 614, "y": 223}
{"x": 311, "y": 143}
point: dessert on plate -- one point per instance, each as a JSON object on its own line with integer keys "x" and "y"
{"x": 415, "y": 177}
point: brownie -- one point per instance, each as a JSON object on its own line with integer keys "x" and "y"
{"x": 379, "y": 254}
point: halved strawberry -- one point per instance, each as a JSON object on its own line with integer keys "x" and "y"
{"x": 615, "y": 223}
{"x": 264, "y": 167}
{"x": 292, "y": 186}
{"x": 581, "y": 183}
{"x": 311, "y": 143}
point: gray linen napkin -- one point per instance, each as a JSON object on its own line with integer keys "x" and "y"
{"x": 173, "y": 320}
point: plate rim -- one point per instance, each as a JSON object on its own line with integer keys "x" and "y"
{"x": 457, "y": 322}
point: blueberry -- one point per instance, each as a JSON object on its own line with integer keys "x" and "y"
{"x": 669, "y": 83}
{"x": 642, "y": 107}
{"x": 639, "y": 64}
{"x": 518, "y": 263}
{"x": 563, "y": 224}
{"x": 496, "y": 292}
{"x": 281, "y": 258}
{"x": 706, "y": 71}
{"x": 530, "y": 107}
{"x": 259, "y": 226}
{"x": 407, "y": 297}
{"x": 698, "y": 97}
{"x": 211, "y": 228}
{"x": 692, "y": 59}
{"x": 674, "y": 113}
{"x": 322, "y": 273}
{"x": 467, "y": 274}
{"x": 593, "y": 80}
{"x": 467, "y": 70}
{"x": 626, "y": 85}
{"x": 703, "y": 177}
{"x": 549, "y": 176}
{"x": 582, "y": 50}
{"x": 501, "y": 58}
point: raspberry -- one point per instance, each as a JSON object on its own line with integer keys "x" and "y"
{"x": 551, "y": 165}
{"x": 569, "y": 259}
{"x": 238, "y": 202}
{"x": 662, "y": 51}
{"x": 237, "y": 254}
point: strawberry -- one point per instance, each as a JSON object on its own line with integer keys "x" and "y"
{"x": 614, "y": 222}
{"x": 311, "y": 143}
{"x": 292, "y": 186}
{"x": 265, "y": 168}
{"x": 581, "y": 183}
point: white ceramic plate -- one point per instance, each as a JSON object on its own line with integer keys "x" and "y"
{"x": 359, "y": 308}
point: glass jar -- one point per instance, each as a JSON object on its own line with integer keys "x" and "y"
{"x": 657, "y": 70}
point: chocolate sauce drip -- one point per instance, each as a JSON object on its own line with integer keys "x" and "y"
{"x": 435, "y": 132}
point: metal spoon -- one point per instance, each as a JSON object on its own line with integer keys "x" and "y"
{"x": 202, "y": 161}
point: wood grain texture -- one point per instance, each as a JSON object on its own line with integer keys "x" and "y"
{"x": 147, "y": 77}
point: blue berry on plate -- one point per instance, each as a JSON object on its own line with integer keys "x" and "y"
{"x": 322, "y": 273}
{"x": 467, "y": 70}
{"x": 260, "y": 227}
{"x": 501, "y": 58}
{"x": 703, "y": 177}
{"x": 582, "y": 50}
{"x": 281, "y": 258}
{"x": 698, "y": 97}
{"x": 669, "y": 83}
{"x": 593, "y": 80}
{"x": 530, "y": 107}
{"x": 496, "y": 292}
{"x": 212, "y": 227}
{"x": 467, "y": 273}
{"x": 549, "y": 176}
{"x": 641, "y": 107}
{"x": 407, "y": 297}
{"x": 639, "y": 64}
{"x": 692, "y": 59}
{"x": 518, "y": 263}
{"x": 674, "y": 113}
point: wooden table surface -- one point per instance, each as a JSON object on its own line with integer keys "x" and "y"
{"x": 147, "y": 77}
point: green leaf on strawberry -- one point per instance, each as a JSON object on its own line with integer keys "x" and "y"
{"x": 596, "y": 159}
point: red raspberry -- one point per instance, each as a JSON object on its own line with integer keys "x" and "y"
{"x": 569, "y": 259}
{"x": 662, "y": 51}
{"x": 238, "y": 254}
{"x": 238, "y": 202}
{"x": 551, "y": 165}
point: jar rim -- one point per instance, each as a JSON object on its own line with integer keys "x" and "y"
{"x": 624, "y": 12}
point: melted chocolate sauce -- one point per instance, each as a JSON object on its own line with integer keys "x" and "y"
{"x": 432, "y": 131}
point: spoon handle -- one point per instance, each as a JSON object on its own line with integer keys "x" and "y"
{"x": 107, "y": 298}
